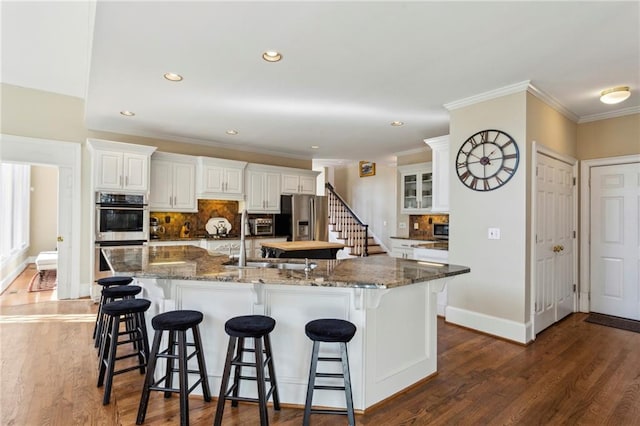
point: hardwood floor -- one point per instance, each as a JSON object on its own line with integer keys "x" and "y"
{"x": 575, "y": 373}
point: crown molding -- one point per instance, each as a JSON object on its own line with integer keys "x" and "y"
{"x": 492, "y": 94}
{"x": 439, "y": 141}
{"x": 610, "y": 114}
{"x": 552, "y": 102}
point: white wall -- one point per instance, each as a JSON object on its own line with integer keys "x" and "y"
{"x": 492, "y": 297}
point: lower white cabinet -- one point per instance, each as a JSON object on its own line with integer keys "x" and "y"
{"x": 402, "y": 248}
{"x": 431, "y": 255}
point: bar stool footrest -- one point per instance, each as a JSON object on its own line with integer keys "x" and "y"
{"x": 319, "y": 411}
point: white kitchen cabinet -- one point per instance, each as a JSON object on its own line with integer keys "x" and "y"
{"x": 417, "y": 188}
{"x": 263, "y": 189}
{"x": 120, "y": 166}
{"x": 298, "y": 183}
{"x": 440, "y": 166}
{"x": 173, "y": 179}
{"x": 220, "y": 179}
{"x": 431, "y": 255}
{"x": 403, "y": 248}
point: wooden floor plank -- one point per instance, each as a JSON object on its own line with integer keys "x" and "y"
{"x": 574, "y": 373}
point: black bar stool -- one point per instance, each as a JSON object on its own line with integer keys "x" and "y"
{"x": 111, "y": 294}
{"x": 114, "y": 312}
{"x": 337, "y": 331}
{"x": 176, "y": 323}
{"x": 256, "y": 327}
{"x": 106, "y": 283}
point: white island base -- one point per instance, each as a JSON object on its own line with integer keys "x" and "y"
{"x": 393, "y": 348}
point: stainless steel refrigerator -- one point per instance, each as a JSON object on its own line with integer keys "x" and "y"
{"x": 303, "y": 217}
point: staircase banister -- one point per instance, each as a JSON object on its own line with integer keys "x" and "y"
{"x": 344, "y": 204}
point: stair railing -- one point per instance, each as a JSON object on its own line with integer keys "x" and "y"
{"x": 344, "y": 220}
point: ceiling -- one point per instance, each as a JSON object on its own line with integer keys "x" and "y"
{"x": 348, "y": 70}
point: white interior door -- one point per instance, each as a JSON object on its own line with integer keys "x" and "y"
{"x": 65, "y": 204}
{"x": 615, "y": 240}
{"x": 554, "y": 276}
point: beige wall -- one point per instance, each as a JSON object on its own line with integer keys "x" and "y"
{"x": 422, "y": 156}
{"x": 548, "y": 127}
{"x": 43, "y": 223}
{"x": 496, "y": 284}
{"x": 609, "y": 138}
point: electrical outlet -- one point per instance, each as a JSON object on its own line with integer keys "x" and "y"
{"x": 416, "y": 225}
{"x": 494, "y": 233}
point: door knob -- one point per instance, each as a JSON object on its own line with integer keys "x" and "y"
{"x": 60, "y": 239}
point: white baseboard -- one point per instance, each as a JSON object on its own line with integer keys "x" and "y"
{"x": 500, "y": 327}
{"x": 6, "y": 281}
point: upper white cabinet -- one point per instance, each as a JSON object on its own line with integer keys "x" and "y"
{"x": 263, "y": 189}
{"x": 417, "y": 188}
{"x": 299, "y": 182}
{"x": 173, "y": 183}
{"x": 220, "y": 179}
{"x": 440, "y": 162}
{"x": 120, "y": 166}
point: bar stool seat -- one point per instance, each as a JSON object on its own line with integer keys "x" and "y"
{"x": 329, "y": 330}
{"x": 133, "y": 311}
{"x": 256, "y": 327}
{"x": 176, "y": 323}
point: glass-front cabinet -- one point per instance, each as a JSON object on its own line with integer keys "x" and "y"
{"x": 417, "y": 188}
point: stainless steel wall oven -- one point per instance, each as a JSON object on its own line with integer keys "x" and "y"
{"x": 121, "y": 217}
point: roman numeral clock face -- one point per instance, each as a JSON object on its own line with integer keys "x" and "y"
{"x": 487, "y": 160}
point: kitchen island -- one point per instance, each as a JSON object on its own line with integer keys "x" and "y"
{"x": 301, "y": 249}
{"x": 391, "y": 301}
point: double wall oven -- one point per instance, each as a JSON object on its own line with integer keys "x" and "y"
{"x": 121, "y": 220}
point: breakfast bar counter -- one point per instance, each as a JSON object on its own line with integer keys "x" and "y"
{"x": 391, "y": 301}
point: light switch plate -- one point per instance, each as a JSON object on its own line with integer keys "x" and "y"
{"x": 416, "y": 225}
{"x": 494, "y": 233}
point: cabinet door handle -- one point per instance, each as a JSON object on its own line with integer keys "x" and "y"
{"x": 126, "y": 181}
{"x": 120, "y": 181}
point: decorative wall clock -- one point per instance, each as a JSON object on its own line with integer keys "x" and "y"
{"x": 487, "y": 160}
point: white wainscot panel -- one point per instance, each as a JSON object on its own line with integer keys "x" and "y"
{"x": 293, "y": 348}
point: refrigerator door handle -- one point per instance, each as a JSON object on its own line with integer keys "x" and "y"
{"x": 312, "y": 219}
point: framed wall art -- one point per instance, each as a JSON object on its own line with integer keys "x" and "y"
{"x": 367, "y": 168}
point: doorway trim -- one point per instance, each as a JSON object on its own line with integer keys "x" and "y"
{"x": 21, "y": 149}
{"x": 539, "y": 149}
{"x": 585, "y": 220}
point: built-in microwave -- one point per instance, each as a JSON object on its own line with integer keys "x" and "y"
{"x": 121, "y": 217}
{"x": 440, "y": 231}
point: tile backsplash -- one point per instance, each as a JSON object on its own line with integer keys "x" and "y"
{"x": 425, "y": 228}
{"x": 207, "y": 209}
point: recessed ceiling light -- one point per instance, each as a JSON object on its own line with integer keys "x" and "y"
{"x": 615, "y": 95}
{"x": 231, "y": 132}
{"x": 271, "y": 56}
{"x": 397, "y": 123}
{"x": 173, "y": 76}
{"x": 128, "y": 113}
{"x": 315, "y": 147}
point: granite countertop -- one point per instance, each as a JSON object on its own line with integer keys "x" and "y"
{"x": 194, "y": 263}
{"x": 202, "y": 237}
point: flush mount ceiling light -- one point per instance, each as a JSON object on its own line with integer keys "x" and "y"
{"x": 615, "y": 95}
{"x": 315, "y": 147}
{"x": 397, "y": 123}
{"x": 271, "y": 56}
{"x": 128, "y": 113}
{"x": 173, "y": 76}
{"x": 231, "y": 132}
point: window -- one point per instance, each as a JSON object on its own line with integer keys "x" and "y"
{"x": 14, "y": 213}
